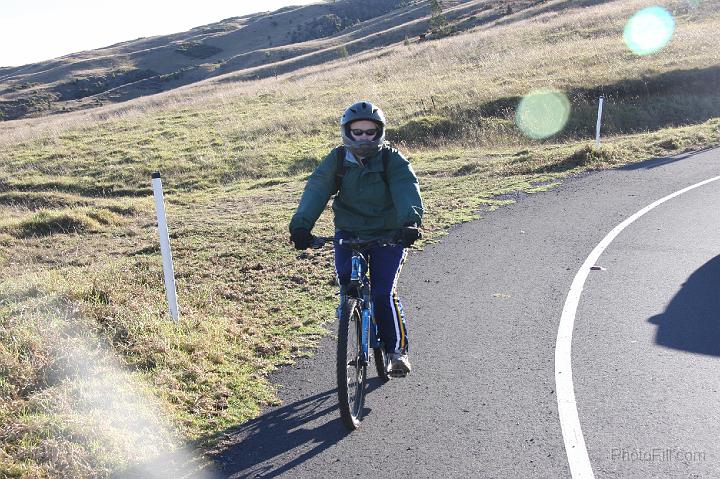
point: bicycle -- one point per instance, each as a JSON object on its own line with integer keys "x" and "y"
{"x": 357, "y": 330}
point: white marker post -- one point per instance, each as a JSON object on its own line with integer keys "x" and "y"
{"x": 599, "y": 121}
{"x": 165, "y": 246}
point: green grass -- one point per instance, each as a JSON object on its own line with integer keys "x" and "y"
{"x": 64, "y": 221}
{"x": 81, "y": 292}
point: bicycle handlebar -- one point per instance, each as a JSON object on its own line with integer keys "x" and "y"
{"x": 356, "y": 244}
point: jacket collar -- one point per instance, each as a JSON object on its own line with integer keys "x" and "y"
{"x": 372, "y": 163}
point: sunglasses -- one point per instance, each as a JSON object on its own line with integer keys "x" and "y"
{"x": 358, "y": 132}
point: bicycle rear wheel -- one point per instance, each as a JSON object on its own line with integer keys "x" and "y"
{"x": 351, "y": 366}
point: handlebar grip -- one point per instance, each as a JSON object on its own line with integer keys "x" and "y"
{"x": 316, "y": 243}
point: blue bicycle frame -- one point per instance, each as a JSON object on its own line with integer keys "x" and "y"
{"x": 359, "y": 281}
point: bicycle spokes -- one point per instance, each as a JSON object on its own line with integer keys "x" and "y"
{"x": 352, "y": 366}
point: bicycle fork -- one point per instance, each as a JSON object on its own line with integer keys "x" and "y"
{"x": 365, "y": 335}
{"x": 368, "y": 327}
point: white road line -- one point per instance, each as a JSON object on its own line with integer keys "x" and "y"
{"x": 577, "y": 455}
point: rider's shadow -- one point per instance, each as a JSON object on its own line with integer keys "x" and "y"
{"x": 266, "y": 446}
{"x": 691, "y": 322}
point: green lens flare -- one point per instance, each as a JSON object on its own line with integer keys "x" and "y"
{"x": 542, "y": 113}
{"x": 649, "y": 30}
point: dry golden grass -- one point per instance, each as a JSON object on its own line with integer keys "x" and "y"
{"x": 569, "y": 48}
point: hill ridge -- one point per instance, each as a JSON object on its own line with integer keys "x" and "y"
{"x": 291, "y": 38}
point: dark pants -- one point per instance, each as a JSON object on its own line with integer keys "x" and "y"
{"x": 385, "y": 265}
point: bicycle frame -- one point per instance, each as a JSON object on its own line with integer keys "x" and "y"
{"x": 360, "y": 282}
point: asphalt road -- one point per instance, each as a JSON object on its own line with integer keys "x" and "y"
{"x": 483, "y": 309}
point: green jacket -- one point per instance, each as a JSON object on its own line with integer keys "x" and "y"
{"x": 365, "y": 205}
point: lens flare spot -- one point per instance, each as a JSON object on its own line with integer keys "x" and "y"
{"x": 543, "y": 113}
{"x": 649, "y": 30}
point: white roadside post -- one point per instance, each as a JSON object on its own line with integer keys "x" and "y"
{"x": 165, "y": 246}
{"x": 599, "y": 121}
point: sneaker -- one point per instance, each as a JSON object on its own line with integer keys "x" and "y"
{"x": 399, "y": 365}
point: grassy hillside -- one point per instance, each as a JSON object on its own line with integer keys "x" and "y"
{"x": 94, "y": 375}
{"x": 255, "y": 46}
{"x": 150, "y": 65}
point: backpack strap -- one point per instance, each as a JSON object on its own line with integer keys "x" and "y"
{"x": 386, "y": 162}
{"x": 339, "y": 167}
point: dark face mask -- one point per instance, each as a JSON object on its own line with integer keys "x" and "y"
{"x": 364, "y": 149}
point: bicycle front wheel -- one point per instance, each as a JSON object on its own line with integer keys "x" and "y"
{"x": 351, "y": 365}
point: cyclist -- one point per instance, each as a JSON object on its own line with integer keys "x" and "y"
{"x": 378, "y": 195}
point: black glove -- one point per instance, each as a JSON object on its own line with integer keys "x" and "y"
{"x": 301, "y": 237}
{"x": 409, "y": 234}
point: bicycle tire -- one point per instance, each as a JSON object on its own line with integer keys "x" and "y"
{"x": 381, "y": 363}
{"x": 351, "y": 369}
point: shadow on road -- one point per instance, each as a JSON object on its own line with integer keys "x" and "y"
{"x": 283, "y": 438}
{"x": 691, "y": 321}
{"x": 664, "y": 160}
